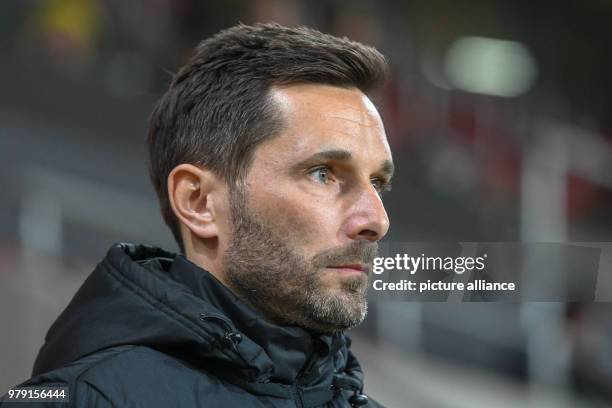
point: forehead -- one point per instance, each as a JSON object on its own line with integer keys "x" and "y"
{"x": 320, "y": 117}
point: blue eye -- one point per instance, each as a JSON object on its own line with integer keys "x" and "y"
{"x": 381, "y": 186}
{"x": 321, "y": 174}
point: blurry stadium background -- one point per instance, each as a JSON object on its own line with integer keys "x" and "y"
{"x": 498, "y": 116}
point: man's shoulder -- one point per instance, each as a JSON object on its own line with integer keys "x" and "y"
{"x": 117, "y": 361}
{"x": 130, "y": 375}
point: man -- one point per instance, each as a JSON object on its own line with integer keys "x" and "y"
{"x": 269, "y": 160}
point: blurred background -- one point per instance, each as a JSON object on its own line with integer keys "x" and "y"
{"x": 497, "y": 113}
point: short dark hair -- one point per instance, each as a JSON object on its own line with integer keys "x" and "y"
{"x": 218, "y": 107}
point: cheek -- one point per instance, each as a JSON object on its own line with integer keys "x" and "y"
{"x": 302, "y": 221}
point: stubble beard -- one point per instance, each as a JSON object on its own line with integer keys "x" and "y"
{"x": 264, "y": 269}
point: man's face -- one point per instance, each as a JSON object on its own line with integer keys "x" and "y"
{"x": 306, "y": 225}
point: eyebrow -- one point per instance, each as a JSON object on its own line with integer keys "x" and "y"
{"x": 387, "y": 168}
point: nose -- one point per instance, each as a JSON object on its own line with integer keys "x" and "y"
{"x": 367, "y": 218}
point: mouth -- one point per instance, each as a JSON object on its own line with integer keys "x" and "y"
{"x": 350, "y": 268}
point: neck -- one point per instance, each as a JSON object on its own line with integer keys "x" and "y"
{"x": 207, "y": 255}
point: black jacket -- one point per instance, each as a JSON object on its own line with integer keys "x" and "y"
{"x": 148, "y": 328}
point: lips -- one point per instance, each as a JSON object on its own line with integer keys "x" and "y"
{"x": 353, "y": 267}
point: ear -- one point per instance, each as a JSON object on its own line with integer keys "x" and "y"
{"x": 192, "y": 191}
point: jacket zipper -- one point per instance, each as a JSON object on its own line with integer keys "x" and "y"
{"x": 231, "y": 336}
{"x": 298, "y": 396}
{"x": 305, "y": 372}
